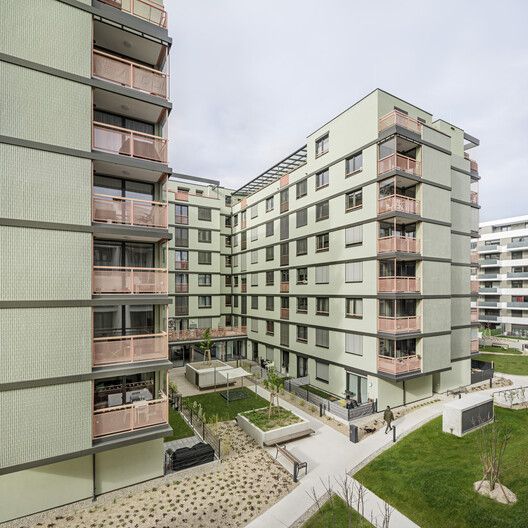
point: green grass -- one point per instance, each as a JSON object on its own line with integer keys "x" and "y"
{"x": 179, "y": 426}
{"x": 319, "y": 392}
{"x": 335, "y": 513}
{"x": 500, "y": 350}
{"x": 213, "y": 404}
{"x": 280, "y": 417}
{"x": 428, "y": 475}
{"x": 507, "y": 364}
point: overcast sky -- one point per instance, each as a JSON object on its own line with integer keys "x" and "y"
{"x": 250, "y": 79}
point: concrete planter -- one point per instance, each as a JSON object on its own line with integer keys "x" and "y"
{"x": 275, "y": 435}
{"x": 206, "y": 377}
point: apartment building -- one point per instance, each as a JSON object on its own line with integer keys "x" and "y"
{"x": 348, "y": 261}
{"x": 84, "y": 249}
{"x": 502, "y": 253}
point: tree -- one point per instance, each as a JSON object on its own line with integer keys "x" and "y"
{"x": 273, "y": 383}
{"x": 206, "y": 345}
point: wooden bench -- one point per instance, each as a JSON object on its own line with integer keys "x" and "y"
{"x": 290, "y": 437}
{"x": 297, "y": 464}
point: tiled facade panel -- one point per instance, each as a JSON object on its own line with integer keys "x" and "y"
{"x": 44, "y": 422}
{"x": 49, "y": 187}
{"x": 50, "y": 48}
{"x": 56, "y": 111}
{"x": 44, "y": 264}
{"x": 57, "y": 343}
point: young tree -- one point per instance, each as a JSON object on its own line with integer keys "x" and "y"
{"x": 273, "y": 383}
{"x": 206, "y": 345}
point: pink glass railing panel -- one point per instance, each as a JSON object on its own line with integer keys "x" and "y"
{"x": 474, "y": 315}
{"x": 182, "y": 288}
{"x": 109, "y": 279}
{"x": 474, "y": 346}
{"x": 398, "y": 284}
{"x": 474, "y": 197}
{"x": 399, "y": 365}
{"x": 197, "y": 333}
{"x": 473, "y": 165}
{"x": 398, "y": 161}
{"x": 181, "y": 264}
{"x": 284, "y": 313}
{"x": 284, "y": 287}
{"x": 130, "y": 349}
{"x": 474, "y": 286}
{"x": 400, "y": 119}
{"x": 147, "y": 10}
{"x": 128, "y": 211}
{"x": 398, "y": 324}
{"x": 284, "y": 181}
{"x": 396, "y": 243}
{"x": 474, "y": 258}
{"x": 398, "y": 203}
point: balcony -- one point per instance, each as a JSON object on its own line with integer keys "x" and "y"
{"x": 398, "y": 204}
{"x": 397, "y": 325}
{"x": 125, "y": 418}
{"x": 284, "y": 181}
{"x": 284, "y": 313}
{"x": 181, "y": 264}
{"x": 474, "y": 315}
{"x": 399, "y": 365}
{"x": 129, "y": 211}
{"x": 394, "y": 244}
{"x": 284, "y": 207}
{"x": 473, "y": 197}
{"x": 243, "y": 288}
{"x": 400, "y": 162}
{"x": 473, "y": 165}
{"x": 490, "y": 318}
{"x": 113, "y": 279}
{"x": 474, "y": 257}
{"x": 127, "y": 73}
{"x": 284, "y": 287}
{"x": 129, "y": 349}
{"x": 182, "y": 219}
{"x": 181, "y": 196}
{"x": 474, "y": 349}
{"x": 474, "y": 287}
{"x": 144, "y": 9}
{"x": 125, "y": 142}
{"x": 181, "y": 288}
{"x": 196, "y": 334}
{"x": 396, "y": 118}
{"x": 399, "y": 284}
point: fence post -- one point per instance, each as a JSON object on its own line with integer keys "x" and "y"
{"x": 393, "y": 433}
{"x": 219, "y": 449}
{"x": 321, "y": 409}
{"x": 203, "y": 430}
{"x": 191, "y": 415}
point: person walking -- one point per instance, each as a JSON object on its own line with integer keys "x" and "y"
{"x": 388, "y": 417}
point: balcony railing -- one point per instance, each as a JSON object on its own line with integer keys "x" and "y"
{"x": 398, "y": 284}
{"x": 181, "y": 196}
{"x": 243, "y": 288}
{"x": 392, "y": 244}
{"x": 197, "y": 333}
{"x": 395, "y": 325}
{"x": 474, "y": 257}
{"x": 399, "y": 204}
{"x": 474, "y": 346}
{"x": 118, "y": 140}
{"x": 284, "y": 287}
{"x": 113, "y": 279}
{"x": 398, "y": 118}
{"x": 474, "y": 286}
{"x": 181, "y": 264}
{"x": 474, "y": 315}
{"x": 129, "y": 211}
{"x": 128, "y": 73}
{"x": 182, "y": 288}
{"x": 284, "y": 181}
{"x": 182, "y": 219}
{"x": 473, "y": 166}
{"x": 284, "y": 313}
{"x": 125, "y": 418}
{"x": 473, "y": 196}
{"x": 129, "y": 349}
{"x": 284, "y": 206}
{"x": 145, "y": 9}
{"x": 398, "y": 161}
{"x": 400, "y": 365}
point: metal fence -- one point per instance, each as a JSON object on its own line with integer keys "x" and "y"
{"x": 481, "y": 371}
{"x": 201, "y": 429}
{"x": 511, "y": 397}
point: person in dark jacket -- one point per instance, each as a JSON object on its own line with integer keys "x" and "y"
{"x": 388, "y": 417}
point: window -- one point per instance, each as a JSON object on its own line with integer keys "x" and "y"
{"x": 354, "y": 235}
{"x": 254, "y": 279}
{"x": 228, "y": 240}
{"x": 269, "y": 204}
{"x": 254, "y": 211}
{"x": 254, "y": 302}
{"x": 322, "y": 179}
{"x": 270, "y": 303}
{"x": 228, "y": 280}
{"x": 254, "y": 234}
{"x": 204, "y": 257}
{"x": 234, "y": 240}
{"x": 284, "y": 200}
{"x": 302, "y": 334}
{"x": 322, "y": 336}
{"x": 235, "y": 220}
{"x": 322, "y": 274}
{"x": 235, "y": 281}
{"x": 269, "y": 229}
{"x": 204, "y": 214}
{"x": 322, "y": 242}
{"x": 322, "y": 371}
{"x": 354, "y": 307}
{"x": 204, "y": 301}
{"x": 254, "y": 256}
{"x": 284, "y": 254}
{"x": 284, "y": 224}
{"x": 227, "y": 221}
{"x": 235, "y": 301}
{"x": 302, "y": 188}
{"x": 353, "y": 200}
{"x": 302, "y": 275}
{"x": 321, "y": 145}
{"x": 301, "y": 217}
{"x": 181, "y": 237}
{"x": 204, "y": 235}
{"x": 270, "y": 278}
{"x": 270, "y": 328}
{"x": 270, "y": 253}
{"x": 254, "y": 325}
{"x": 228, "y": 300}
{"x": 321, "y": 211}
{"x": 302, "y": 246}
{"x": 204, "y": 279}
{"x": 322, "y": 305}
{"x": 198, "y": 192}
{"x": 228, "y": 200}
{"x": 182, "y": 214}
{"x": 302, "y": 304}
{"x": 353, "y": 271}
{"x": 354, "y": 164}
{"x": 270, "y": 353}
{"x": 354, "y": 344}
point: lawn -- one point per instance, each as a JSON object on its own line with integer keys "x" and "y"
{"x": 179, "y": 426}
{"x": 507, "y": 364}
{"x": 335, "y": 513}
{"x": 214, "y": 404}
{"x": 319, "y": 392}
{"x": 428, "y": 475}
{"x": 500, "y": 350}
{"x": 280, "y": 417}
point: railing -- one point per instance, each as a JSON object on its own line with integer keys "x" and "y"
{"x": 474, "y": 315}
{"x": 491, "y": 318}
{"x": 243, "y": 224}
{"x": 198, "y": 333}
{"x": 473, "y": 197}
{"x": 201, "y": 429}
{"x": 284, "y": 287}
{"x": 474, "y": 287}
{"x": 284, "y": 206}
{"x": 284, "y": 181}
{"x": 243, "y": 288}
{"x": 474, "y": 257}
{"x": 400, "y": 119}
{"x": 474, "y": 346}
{"x": 284, "y": 313}
{"x": 147, "y": 10}
{"x": 118, "y": 140}
{"x": 473, "y": 166}
{"x": 401, "y": 244}
{"x": 399, "y": 204}
{"x": 482, "y": 371}
{"x": 181, "y": 264}
{"x": 398, "y": 284}
{"x": 399, "y": 365}
{"x": 129, "y": 349}
{"x": 113, "y": 279}
{"x": 396, "y": 325}
{"x": 124, "y": 418}
{"x": 128, "y": 73}
{"x": 182, "y": 219}
{"x": 398, "y": 161}
{"x": 129, "y": 211}
{"x": 181, "y": 196}
{"x": 182, "y": 288}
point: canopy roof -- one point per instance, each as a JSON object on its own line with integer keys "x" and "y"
{"x": 233, "y": 373}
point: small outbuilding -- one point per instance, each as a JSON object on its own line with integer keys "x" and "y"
{"x": 467, "y": 414}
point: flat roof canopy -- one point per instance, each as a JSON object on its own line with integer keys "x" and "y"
{"x": 233, "y": 373}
